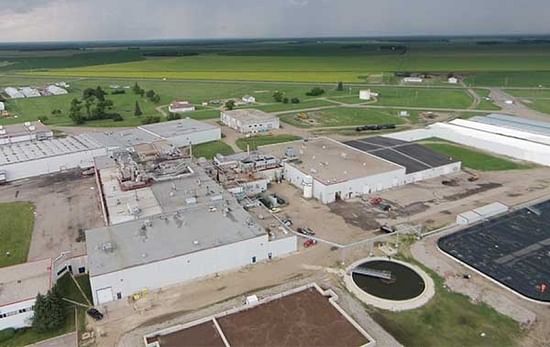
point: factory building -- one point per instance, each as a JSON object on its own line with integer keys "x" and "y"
{"x": 514, "y": 137}
{"x": 19, "y": 285}
{"x": 181, "y": 107}
{"x": 28, "y": 131}
{"x": 201, "y": 230}
{"x": 330, "y": 171}
{"x": 249, "y": 121}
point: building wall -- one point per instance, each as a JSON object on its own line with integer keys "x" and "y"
{"x": 15, "y": 319}
{"x": 31, "y": 168}
{"x": 197, "y": 137}
{"x": 250, "y": 127}
{"x": 433, "y": 172}
{"x": 190, "y": 266}
{"x": 27, "y": 137}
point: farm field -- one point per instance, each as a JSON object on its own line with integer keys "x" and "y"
{"x": 423, "y": 97}
{"x": 15, "y": 232}
{"x": 262, "y": 140}
{"x": 475, "y": 159}
{"x": 341, "y": 117}
{"x": 210, "y": 149}
{"x": 485, "y": 104}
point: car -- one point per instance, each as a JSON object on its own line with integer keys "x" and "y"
{"x": 95, "y": 314}
{"x": 287, "y": 222}
{"x": 387, "y": 229}
{"x": 309, "y": 242}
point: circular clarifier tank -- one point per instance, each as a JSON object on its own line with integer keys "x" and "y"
{"x": 389, "y": 284}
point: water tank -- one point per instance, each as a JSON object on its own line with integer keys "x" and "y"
{"x": 308, "y": 187}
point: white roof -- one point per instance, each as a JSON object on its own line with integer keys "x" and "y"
{"x": 24, "y": 281}
{"x": 491, "y": 209}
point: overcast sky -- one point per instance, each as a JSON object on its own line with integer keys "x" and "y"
{"x": 59, "y": 20}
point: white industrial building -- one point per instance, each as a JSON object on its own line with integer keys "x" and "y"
{"x": 249, "y": 120}
{"x": 55, "y": 90}
{"x": 13, "y": 93}
{"x": 30, "y": 92}
{"x": 412, "y": 80}
{"x": 27, "y": 131}
{"x": 329, "y": 170}
{"x": 520, "y": 139}
{"x": 19, "y": 286}
{"x": 482, "y": 213}
{"x": 181, "y": 107}
{"x": 248, "y": 99}
{"x": 201, "y": 231}
{"x": 367, "y": 94}
{"x": 184, "y": 132}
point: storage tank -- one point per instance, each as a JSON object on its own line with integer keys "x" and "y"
{"x": 308, "y": 187}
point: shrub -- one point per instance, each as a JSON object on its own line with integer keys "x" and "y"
{"x": 315, "y": 91}
{"x": 6, "y": 334}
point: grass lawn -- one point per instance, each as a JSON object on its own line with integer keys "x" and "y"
{"x": 68, "y": 290}
{"x": 484, "y": 104}
{"x": 537, "y": 99}
{"x": 510, "y": 78}
{"x": 474, "y": 159}
{"x": 16, "y": 224}
{"x": 423, "y": 97}
{"x": 210, "y": 149}
{"x": 342, "y": 116}
{"x": 262, "y": 140}
{"x": 289, "y": 107}
{"x": 449, "y": 320}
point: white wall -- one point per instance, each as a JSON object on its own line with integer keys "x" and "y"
{"x": 17, "y": 320}
{"x": 190, "y": 266}
{"x": 433, "y": 172}
{"x": 252, "y": 126}
{"x": 197, "y": 137}
{"x": 31, "y": 168}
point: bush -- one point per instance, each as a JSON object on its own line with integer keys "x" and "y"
{"x": 49, "y": 311}
{"x": 285, "y": 101}
{"x": 315, "y": 91}
{"x": 6, "y": 334}
{"x": 118, "y": 91}
{"x": 43, "y": 119}
{"x": 116, "y": 117}
{"x": 150, "y": 120}
{"x": 278, "y": 96}
{"x": 295, "y": 100}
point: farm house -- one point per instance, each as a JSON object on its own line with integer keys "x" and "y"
{"x": 249, "y": 120}
{"x": 330, "y": 171}
{"x": 181, "y": 107}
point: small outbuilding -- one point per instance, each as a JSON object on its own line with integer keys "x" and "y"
{"x": 248, "y": 99}
{"x": 452, "y": 80}
{"x": 181, "y": 107}
{"x": 412, "y": 80}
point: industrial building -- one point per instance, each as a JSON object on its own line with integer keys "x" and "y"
{"x": 30, "y": 92}
{"x": 181, "y": 107}
{"x": 13, "y": 93}
{"x": 514, "y": 137}
{"x": 27, "y": 131}
{"x": 29, "y": 150}
{"x": 201, "y": 230}
{"x": 55, "y": 90}
{"x": 19, "y": 285}
{"x": 330, "y": 171}
{"x": 249, "y": 121}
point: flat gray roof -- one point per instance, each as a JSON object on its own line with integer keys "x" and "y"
{"x": 184, "y": 227}
{"x": 166, "y": 130}
{"x": 21, "y": 129}
{"x": 24, "y": 281}
{"x": 249, "y": 115}
{"x": 121, "y": 139}
{"x": 515, "y": 123}
{"x": 329, "y": 161}
{"x": 32, "y": 150}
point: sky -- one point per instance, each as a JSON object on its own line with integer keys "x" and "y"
{"x": 84, "y": 20}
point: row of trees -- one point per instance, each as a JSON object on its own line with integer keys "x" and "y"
{"x": 150, "y": 94}
{"x": 280, "y": 97}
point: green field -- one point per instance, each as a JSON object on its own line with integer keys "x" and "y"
{"x": 262, "y": 140}
{"x": 69, "y": 290}
{"x": 16, "y": 225}
{"x": 485, "y": 104}
{"x": 537, "y": 99}
{"x": 423, "y": 97}
{"x": 342, "y": 116}
{"x": 210, "y": 149}
{"x": 474, "y": 159}
{"x": 449, "y": 320}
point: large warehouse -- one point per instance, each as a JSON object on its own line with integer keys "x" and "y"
{"x": 200, "y": 230}
{"x": 29, "y": 150}
{"x": 19, "y": 285}
{"x": 249, "y": 120}
{"x": 329, "y": 170}
{"x": 514, "y": 137}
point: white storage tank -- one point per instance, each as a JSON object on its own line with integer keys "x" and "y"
{"x": 308, "y": 187}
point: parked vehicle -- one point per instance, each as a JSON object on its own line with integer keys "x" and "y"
{"x": 306, "y": 231}
{"x": 309, "y": 242}
{"x": 95, "y": 314}
{"x": 387, "y": 229}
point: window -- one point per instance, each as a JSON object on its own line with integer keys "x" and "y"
{"x": 253, "y": 259}
{"x": 81, "y": 270}
{"x": 119, "y": 295}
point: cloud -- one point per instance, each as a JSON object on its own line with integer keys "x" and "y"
{"x": 43, "y": 20}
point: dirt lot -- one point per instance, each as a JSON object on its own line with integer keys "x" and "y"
{"x": 65, "y": 203}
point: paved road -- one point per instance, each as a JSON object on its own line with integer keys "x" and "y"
{"x": 517, "y": 108}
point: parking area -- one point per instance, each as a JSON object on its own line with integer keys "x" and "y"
{"x": 66, "y": 194}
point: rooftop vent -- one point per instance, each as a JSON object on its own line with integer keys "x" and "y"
{"x": 108, "y": 247}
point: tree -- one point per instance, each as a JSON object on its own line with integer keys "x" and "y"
{"x": 285, "y": 101}
{"x": 75, "y": 112}
{"x": 295, "y": 100}
{"x": 136, "y": 88}
{"x": 150, "y": 93}
{"x": 137, "y": 110}
{"x": 340, "y": 86}
{"x": 230, "y": 104}
{"x": 278, "y": 96}
{"x": 49, "y": 311}
{"x": 155, "y": 98}
{"x": 315, "y": 91}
